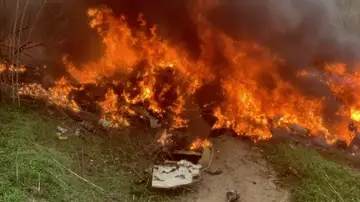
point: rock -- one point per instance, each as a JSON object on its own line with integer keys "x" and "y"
{"x": 213, "y": 171}
{"x": 271, "y": 185}
{"x": 77, "y": 132}
{"x": 232, "y": 196}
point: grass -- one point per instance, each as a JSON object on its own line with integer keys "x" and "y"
{"x": 311, "y": 177}
{"x": 37, "y": 166}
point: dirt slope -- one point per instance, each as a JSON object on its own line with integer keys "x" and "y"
{"x": 243, "y": 169}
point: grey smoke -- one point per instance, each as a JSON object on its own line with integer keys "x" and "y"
{"x": 299, "y": 30}
{"x": 306, "y": 33}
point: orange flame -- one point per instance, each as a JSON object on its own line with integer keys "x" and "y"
{"x": 355, "y": 115}
{"x": 248, "y": 108}
{"x": 199, "y": 143}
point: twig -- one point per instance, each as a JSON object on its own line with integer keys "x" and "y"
{"x": 78, "y": 176}
{"x": 13, "y": 48}
{"x": 17, "y": 168}
{"x": 39, "y": 183}
{"x": 25, "y": 47}
{"x": 36, "y": 19}
{"x": 18, "y": 53}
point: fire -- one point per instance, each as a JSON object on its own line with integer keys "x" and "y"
{"x": 355, "y": 115}
{"x": 199, "y": 143}
{"x": 12, "y": 68}
{"x": 164, "y": 138}
{"x": 140, "y": 67}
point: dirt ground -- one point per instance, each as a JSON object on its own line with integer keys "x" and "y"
{"x": 242, "y": 169}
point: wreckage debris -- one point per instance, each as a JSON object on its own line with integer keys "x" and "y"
{"x": 154, "y": 122}
{"x": 206, "y": 158}
{"x": 178, "y": 167}
{"x": 172, "y": 175}
{"x": 64, "y": 133}
{"x": 61, "y": 134}
{"x": 61, "y": 129}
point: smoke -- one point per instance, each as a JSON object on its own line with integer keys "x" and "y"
{"x": 172, "y": 18}
{"x": 56, "y": 28}
{"x": 305, "y": 33}
{"x": 298, "y": 30}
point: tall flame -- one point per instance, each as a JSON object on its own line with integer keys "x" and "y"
{"x": 144, "y": 68}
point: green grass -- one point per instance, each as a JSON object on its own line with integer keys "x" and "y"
{"x": 36, "y": 166}
{"x": 311, "y": 177}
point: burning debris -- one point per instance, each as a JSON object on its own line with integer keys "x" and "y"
{"x": 237, "y": 84}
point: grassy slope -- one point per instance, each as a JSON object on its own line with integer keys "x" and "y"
{"x": 36, "y": 165}
{"x": 311, "y": 177}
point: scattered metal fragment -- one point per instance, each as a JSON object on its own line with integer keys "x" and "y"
{"x": 186, "y": 152}
{"x": 154, "y": 122}
{"x": 206, "y": 158}
{"x": 61, "y": 136}
{"x": 61, "y": 129}
{"x": 172, "y": 175}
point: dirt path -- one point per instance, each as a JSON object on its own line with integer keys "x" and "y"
{"x": 243, "y": 170}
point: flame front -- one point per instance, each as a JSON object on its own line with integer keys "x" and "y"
{"x": 138, "y": 66}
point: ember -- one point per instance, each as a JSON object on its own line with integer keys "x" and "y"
{"x": 141, "y": 68}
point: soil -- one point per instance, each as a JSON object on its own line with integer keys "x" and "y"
{"x": 237, "y": 166}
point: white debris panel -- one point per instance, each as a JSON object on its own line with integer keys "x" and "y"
{"x": 173, "y": 175}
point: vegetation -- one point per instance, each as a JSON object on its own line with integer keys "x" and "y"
{"x": 312, "y": 177}
{"x": 38, "y": 166}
